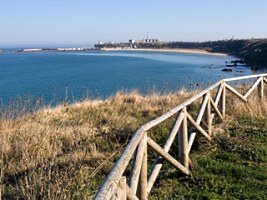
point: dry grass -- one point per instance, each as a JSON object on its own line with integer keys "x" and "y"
{"x": 254, "y": 108}
{"x": 64, "y": 152}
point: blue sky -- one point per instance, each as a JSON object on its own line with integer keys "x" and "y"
{"x": 37, "y": 22}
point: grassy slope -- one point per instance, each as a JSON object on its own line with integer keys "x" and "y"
{"x": 64, "y": 153}
{"x": 233, "y": 166}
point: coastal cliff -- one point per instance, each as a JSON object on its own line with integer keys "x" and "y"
{"x": 253, "y": 51}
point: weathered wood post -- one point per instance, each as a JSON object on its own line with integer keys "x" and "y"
{"x": 171, "y": 137}
{"x": 122, "y": 186}
{"x": 136, "y": 166}
{"x": 183, "y": 142}
{"x": 223, "y": 96}
{"x": 109, "y": 186}
{"x": 261, "y": 89}
{"x": 209, "y": 120}
{"x": 143, "y": 173}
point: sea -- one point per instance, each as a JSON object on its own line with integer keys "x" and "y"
{"x": 78, "y": 75}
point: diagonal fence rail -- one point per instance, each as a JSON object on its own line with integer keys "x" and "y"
{"x": 139, "y": 183}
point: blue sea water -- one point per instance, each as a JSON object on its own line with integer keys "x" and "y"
{"x": 55, "y": 76}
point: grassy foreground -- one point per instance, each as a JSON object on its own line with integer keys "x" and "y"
{"x": 65, "y": 152}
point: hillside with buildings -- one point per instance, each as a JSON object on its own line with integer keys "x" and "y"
{"x": 252, "y": 51}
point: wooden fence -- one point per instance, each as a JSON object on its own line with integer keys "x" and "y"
{"x": 138, "y": 184}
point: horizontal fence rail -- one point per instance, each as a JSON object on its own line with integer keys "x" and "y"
{"x": 139, "y": 183}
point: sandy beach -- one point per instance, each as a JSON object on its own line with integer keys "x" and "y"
{"x": 198, "y": 51}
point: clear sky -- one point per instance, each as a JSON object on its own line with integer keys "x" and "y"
{"x": 36, "y": 22}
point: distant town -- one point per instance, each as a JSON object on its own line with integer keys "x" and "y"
{"x": 100, "y": 46}
{"x": 131, "y": 44}
{"x": 253, "y": 51}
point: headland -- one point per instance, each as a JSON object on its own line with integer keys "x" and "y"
{"x": 252, "y": 51}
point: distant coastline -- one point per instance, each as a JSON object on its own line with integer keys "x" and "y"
{"x": 252, "y": 51}
{"x": 180, "y": 50}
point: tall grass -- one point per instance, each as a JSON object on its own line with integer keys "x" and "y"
{"x": 64, "y": 152}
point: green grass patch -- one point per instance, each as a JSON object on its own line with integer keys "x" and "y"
{"x": 232, "y": 168}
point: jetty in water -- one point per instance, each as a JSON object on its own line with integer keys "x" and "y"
{"x": 51, "y": 49}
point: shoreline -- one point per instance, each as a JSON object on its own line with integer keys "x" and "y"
{"x": 180, "y": 50}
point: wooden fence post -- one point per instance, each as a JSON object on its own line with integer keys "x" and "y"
{"x": 143, "y": 173}
{"x": 167, "y": 146}
{"x": 122, "y": 186}
{"x": 136, "y": 166}
{"x": 261, "y": 89}
{"x": 209, "y": 120}
{"x": 118, "y": 194}
{"x": 183, "y": 142}
{"x": 222, "y": 105}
